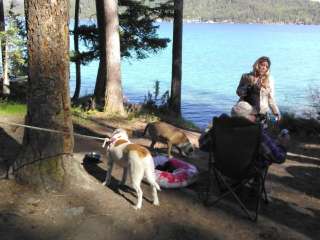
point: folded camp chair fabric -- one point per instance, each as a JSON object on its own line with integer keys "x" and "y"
{"x": 233, "y": 157}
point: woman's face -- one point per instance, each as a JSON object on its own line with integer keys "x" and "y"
{"x": 263, "y": 67}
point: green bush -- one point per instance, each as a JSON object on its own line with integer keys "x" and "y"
{"x": 158, "y": 107}
{"x": 300, "y": 125}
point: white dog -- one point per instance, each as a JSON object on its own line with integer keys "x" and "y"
{"x": 136, "y": 159}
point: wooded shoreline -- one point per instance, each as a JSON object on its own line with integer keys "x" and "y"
{"x": 300, "y": 12}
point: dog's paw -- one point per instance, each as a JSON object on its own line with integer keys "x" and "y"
{"x": 136, "y": 207}
{"x": 104, "y": 183}
{"x": 156, "y": 203}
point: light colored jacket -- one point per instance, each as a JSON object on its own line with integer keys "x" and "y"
{"x": 265, "y": 96}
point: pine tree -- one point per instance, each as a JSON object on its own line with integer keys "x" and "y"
{"x": 46, "y": 157}
{"x": 114, "y": 97}
{"x": 175, "y": 97}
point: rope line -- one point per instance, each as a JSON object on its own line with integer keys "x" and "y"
{"x": 54, "y": 131}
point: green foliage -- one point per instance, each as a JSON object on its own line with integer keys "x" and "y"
{"x": 138, "y": 33}
{"x": 89, "y": 35}
{"x": 79, "y": 116}
{"x": 12, "y": 108}
{"x": 299, "y": 125}
{"x": 15, "y": 36}
{"x": 153, "y": 103}
{"x": 158, "y": 108}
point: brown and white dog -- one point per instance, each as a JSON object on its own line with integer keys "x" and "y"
{"x": 172, "y": 136}
{"x": 133, "y": 158}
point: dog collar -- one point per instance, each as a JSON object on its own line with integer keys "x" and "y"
{"x": 112, "y": 140}
{"x": 109, "y": 141}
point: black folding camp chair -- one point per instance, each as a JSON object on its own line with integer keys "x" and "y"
{"x": 232, "y": 163}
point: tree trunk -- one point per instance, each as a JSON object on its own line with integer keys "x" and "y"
{"x": 175, "y": 101}
{"x": 100, "y": 87}
{"x": 2, "y": 29}
{"x": 4, "y": 53}
{"x": 76, "y": 49}
{"x": 114, "y": 97}
{"x": 46, "y": 156}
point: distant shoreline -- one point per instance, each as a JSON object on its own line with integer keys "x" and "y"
{"x": 257, "y": 13}
{"x": 20, "y": 10}
{"x": 235, "y": 22}
{"x": 226, "y": 22}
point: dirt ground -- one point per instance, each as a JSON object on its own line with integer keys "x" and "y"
{"x": 97, "y": 212}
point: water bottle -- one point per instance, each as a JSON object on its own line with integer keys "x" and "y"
{"x": 273, "y": 120}
{"x": 284, "y": 137}
{"x": 284, "y": 132}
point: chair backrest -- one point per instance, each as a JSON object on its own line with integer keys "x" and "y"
{"x": 236, "y": 146}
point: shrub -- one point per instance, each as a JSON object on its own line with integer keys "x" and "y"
{"x": 300, "y": 125}
{"x": 159, "y": 107}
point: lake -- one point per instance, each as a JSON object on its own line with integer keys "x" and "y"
{"x": 214, "y": 58}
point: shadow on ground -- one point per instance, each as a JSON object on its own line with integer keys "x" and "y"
{"x": 305, "y": 179}
{"x": 8, "y": 153}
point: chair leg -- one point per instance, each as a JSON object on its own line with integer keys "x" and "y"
{"x": 218, "y": 180}
{"x": 231, "y": 190}
{"x": 209, "y": 180}
{"x": 244, "y": 208}
{"x": 212, "y": 171}
{"x": 261, "y": 191}
{"x": 265, "y": 195}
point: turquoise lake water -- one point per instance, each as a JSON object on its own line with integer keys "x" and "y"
{"x": 214, "y": 58}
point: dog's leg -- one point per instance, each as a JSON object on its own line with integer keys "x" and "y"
{"x": 107, "y": 181}
{"x": 181, "y": 152}
{"x": 154, "y": 185}
{"x": 153, "y": 142}
{"x": 124, "y": 176}
{"x": 136, "y": 172}
{"x": 169, "y": 149}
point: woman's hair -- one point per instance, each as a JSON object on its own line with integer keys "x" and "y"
{"x": 265, "y": 78}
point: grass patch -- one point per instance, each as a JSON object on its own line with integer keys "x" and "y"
{"x": 140, "y": 115}
{"x": 152, "y": 115}
{"x": 81, "y": 117}
{"x": 12, "y": 108}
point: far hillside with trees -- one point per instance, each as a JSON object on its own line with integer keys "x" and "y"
{"x": 254, "y": 11}
{"x": 238, "y": 11}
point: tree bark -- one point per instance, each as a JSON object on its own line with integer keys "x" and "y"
{"x": 100, "y": 87}
{"x": 4, "y": 53}
{"x": 76, "y": 49}
{"x": 113, "y": 95}
{"x": 175, "y": 98}
{"x": 46, "y": 156}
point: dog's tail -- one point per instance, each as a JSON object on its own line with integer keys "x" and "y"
{"x": 146, "y": 129}
{"x": 151, "y": 175}
{"x": 157, "y": 186}
{"x": 152, "y": 180}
